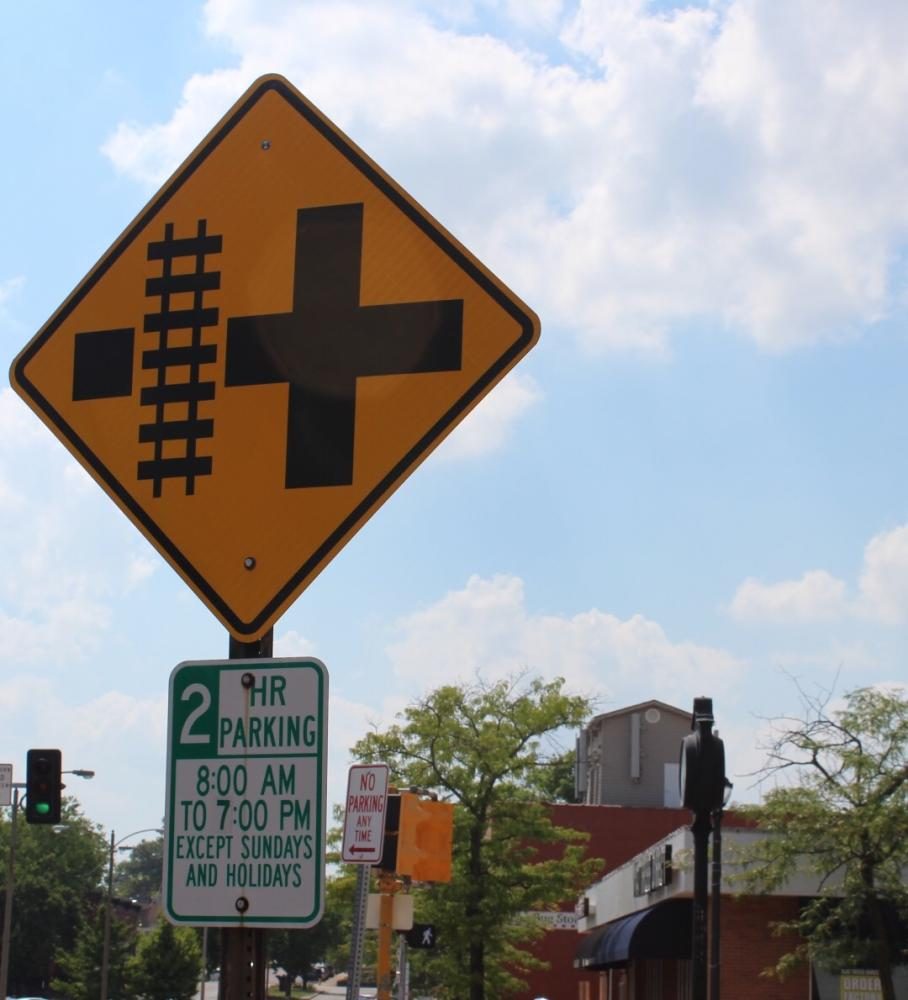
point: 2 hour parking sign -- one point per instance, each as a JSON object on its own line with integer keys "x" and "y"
{"x": 245, "y": 826}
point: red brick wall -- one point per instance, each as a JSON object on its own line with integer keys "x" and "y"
{"x": 617, "y": 833}
{"x": 749, "y": 946}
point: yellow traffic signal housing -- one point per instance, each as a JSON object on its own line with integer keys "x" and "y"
{"x": 424, "y": 839}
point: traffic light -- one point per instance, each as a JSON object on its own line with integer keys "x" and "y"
{"x": 421, "y": 936}
{"x": 43, "y": 786}
{"x": 702, "y": 771}
{"x": 424, "y": 839}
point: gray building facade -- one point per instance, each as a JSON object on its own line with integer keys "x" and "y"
{"x": 630, "y": 757}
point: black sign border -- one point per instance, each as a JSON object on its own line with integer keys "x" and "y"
{"x": 529, "y": 332}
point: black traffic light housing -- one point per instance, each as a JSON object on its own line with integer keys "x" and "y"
{"x": 702, "y": 772}
{"x": 43, "y": 786}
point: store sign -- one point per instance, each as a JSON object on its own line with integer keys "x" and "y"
{"x": 554, "y": 920}
{"x": 6, "y": 784}
{"x": 653, "y": 870}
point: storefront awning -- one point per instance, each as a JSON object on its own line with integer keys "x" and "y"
{"x": 661, "y": 931}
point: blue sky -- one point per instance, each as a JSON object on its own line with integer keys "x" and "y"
{"x": 695, "y": 483}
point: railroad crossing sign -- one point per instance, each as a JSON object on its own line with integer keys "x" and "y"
{"x": 245, "y": 829}
{"x": 265, "y": 354}
{"x": 364, "y": 813}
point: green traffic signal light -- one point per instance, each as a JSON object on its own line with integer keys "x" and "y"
{"x": 43, "y": 786}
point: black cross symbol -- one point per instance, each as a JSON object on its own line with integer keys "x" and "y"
{"x": 328, "y": 340}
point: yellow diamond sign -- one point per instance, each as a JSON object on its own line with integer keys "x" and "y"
{"x": 267, "y": 352}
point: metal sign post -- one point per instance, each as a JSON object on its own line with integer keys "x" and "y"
{"x": 244, "y": 844}
{"x": 355, "y": 969}
{"x": 244, "y": 965}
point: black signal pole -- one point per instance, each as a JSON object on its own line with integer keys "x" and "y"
{"x": 703, "y": 785}
{"x": 701, "y": 829}
{"x": 244, "y": 969}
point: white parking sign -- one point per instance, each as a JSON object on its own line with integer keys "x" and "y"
{"x": 245, "y": 826}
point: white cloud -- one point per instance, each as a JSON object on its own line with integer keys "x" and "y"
{"x": 488, "y": 427}
{"x": 67, "y": 628}
{"x": 9, "y": 287}
{"x": 743, "y": 161}
{"x": 817, "y": 596}
{"x": 884, "y": 577}
{"x": 485, "y": 628}
{"x": 141, "y": 568}
{"x": 881, "y": 594}
{"x": 291, "y": 643}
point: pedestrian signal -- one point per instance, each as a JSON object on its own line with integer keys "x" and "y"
{"x": 424, "y": 839}
{"x": 43, "y": 786}
{"x": 421, "y": 936}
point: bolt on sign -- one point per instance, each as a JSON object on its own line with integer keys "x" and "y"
{"x": 245, "y": 826}
{"x": 273, "y": 345}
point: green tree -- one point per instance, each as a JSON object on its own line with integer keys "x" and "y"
{"x": 844, "y": 821}
{"x": 482, "y": 747}
{"x": 139, "y": 876}
{"x": 167, "y": 964}
{"x": 295, "y": 952}
{"x": 57, "y": 874}
{"x": 556, "y": 778}
{"x": 79, "y": 969}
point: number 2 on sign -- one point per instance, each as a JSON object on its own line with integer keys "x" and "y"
{"x": 186, "y": 733}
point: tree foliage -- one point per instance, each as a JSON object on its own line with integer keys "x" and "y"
{"x": 57, "y": 873}
{"x": 483, "y": 746}
{"x": 844, "y": 821}
{"x": 79, "y": 969}
{"x": 295, "y": 952}
{"x": 139, "y": 876}
{"x": 167, "y": 963}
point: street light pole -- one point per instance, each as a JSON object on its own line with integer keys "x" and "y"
{"x": 105, "y": 953}
{"x": 11, "y": 880}
{"x": 10, "y": 887}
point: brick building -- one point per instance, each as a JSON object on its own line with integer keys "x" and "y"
{"x": 627, "y": 778}
{"x": 635, "y": 923}
{"x": 637, "y": 932}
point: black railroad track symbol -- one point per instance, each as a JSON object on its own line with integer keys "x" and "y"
{"x": 103, "y": 361}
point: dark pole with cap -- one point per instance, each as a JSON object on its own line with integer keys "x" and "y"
{"x": 702, "y": 778}
{"x": 244, "y": 972}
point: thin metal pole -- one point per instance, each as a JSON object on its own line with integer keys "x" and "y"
{"x": 105, "y": 955}
{"x": 355, "y": 968}
{"x": 244, "y": 969}
{"x": 8, "y": 902}
{"x": 716, "y": 906}
{"x": 403, "y": 970}
{"x": 204, "y": 963}
{"x": 700, "y": 829}
{"x": 387, "y": 887}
